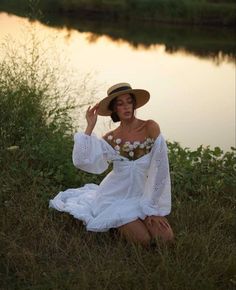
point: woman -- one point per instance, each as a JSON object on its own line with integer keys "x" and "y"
{"x": 135, "y": 196}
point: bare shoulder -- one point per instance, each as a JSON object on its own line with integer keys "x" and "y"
{"x": 153, "y": 129}
{"x": 107, "y": 134}
{"x": 112, "y": 133}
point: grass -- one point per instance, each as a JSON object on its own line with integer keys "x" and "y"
{"x": 44, "y": 249}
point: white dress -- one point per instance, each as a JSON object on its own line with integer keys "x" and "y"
{"x": 133, "y": 189}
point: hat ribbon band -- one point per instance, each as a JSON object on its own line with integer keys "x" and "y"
{"x": 119, "y": 90}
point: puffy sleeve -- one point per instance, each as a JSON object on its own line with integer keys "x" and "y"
{"x": 156, "y": 199}
{"x": 90, "y": 153}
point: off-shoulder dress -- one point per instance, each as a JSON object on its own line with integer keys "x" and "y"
{"x": 134, "y": 189}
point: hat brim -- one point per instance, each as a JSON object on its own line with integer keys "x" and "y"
{"x": 141, "y": 96}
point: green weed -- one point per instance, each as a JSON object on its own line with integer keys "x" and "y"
{"x": 44, "y": 249}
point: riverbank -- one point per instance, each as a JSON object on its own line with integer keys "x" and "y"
{"x": 189, "y": 12}
{"x": 44, "y": 249}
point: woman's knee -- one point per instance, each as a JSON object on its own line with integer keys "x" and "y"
{"x": 136, "y": 232}
{"x": 168, "y": 236}
{"x": 143, "y": 238}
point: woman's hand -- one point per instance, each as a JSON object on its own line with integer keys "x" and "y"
{"x": 159, "y": 221}
{"x": 91, "y": 117}
{"x": 158, "y": 226}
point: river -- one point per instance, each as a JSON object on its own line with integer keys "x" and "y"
{"x": 192, "y": 90}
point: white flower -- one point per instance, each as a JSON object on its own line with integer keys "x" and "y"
{"x": 136, "y": 144}
{"x": 149, "y": 140}
{"x": 118, "y": 141}
{"x": 131, "y": 153}
{"x": 110, "y": 137}
{"x": 117, "y": 147}
{"x": 127, "y": 143}
{"x": 141, "y": 146}
{"x": 131, "y": 147}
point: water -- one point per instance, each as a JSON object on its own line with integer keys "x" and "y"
{"x": 191, "y": 78}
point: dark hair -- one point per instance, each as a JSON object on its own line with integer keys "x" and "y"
{"x": 114, "y": 116}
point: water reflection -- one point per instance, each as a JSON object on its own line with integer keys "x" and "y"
{"x": 192, "y": 99}
{"x": 215, "y": 43}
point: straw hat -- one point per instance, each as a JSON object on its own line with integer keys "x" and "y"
{"x": 142, "y": 97}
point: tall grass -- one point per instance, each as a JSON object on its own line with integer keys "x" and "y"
{"x": 45, "y": 249}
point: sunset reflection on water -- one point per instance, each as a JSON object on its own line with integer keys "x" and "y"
{"x": 192, "y": 98}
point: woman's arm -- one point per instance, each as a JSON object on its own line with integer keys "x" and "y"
{"x": 89, "y": 153}
{"x": 91, "y": 117}
{"x": 156, "y": 199}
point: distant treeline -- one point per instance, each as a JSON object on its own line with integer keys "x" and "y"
{"x": 207, "y": 12}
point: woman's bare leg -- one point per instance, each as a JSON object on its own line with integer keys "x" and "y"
{"x": 136, "y": 232}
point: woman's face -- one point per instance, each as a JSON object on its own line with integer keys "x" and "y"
{"x": 124, "y": 107}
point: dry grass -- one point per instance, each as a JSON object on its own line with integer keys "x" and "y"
{"x": 42, "y": 249}
{"x": 45, "y": 249}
